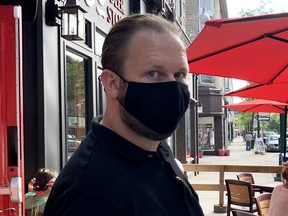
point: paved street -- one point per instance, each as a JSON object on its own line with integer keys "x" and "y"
{"x": 238, "y": 155}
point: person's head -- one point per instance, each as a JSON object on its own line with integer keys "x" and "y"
{"x": 43, "y": 177}
{"x": 285, "y": 172}
{"x": 144, "y": 74}
{"x": 117, "y": 44}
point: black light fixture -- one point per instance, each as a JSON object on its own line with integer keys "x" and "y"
{"x": 199, "y": 107}
{"x": 72, "y": 21}
{"x": 52, "y": 15}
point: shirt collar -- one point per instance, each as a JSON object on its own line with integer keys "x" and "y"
{"x": 122, "y": 146}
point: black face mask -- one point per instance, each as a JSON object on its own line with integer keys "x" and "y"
{"x": 159, "y": 106}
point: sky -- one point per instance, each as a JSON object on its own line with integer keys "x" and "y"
{"x": 234, "y": 7}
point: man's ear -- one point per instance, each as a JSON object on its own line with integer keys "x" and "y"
{"x": 110, "y": 81}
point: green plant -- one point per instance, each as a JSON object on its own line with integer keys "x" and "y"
{"x": 221, "y": 152}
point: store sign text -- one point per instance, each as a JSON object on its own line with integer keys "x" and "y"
{"x": 112, "y": 14}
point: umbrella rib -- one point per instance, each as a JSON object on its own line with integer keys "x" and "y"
{"x": 269, "y": 35}
{"x": 246, "y": 110}
{"x": 247, "y": 88}
{"x": 226, "y": 49}
{"x": 279, "y": 107}
{"x": 276, "y": 38}
{"x": 278, "y": 74}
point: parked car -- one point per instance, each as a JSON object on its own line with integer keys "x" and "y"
{"x": 72, "y": 143}
{"x": 273, "y": 143}
{"x": 266, "y": 134}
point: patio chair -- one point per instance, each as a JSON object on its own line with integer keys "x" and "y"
{"x": 240, "y": 196}
{"x": 263, "y": 203}
{"x": 242, "y": 213}
{"x": 248, "y": 177}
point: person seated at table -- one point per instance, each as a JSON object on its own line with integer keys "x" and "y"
{"x": 278, "y": 204}
{"x": 36, "y": 199}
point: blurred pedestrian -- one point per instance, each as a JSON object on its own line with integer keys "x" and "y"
{"x": 248, "y": 138}
{"x": 36, "y": 199}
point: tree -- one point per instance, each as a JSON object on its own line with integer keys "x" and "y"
{"x": 273, "y": 124}
{"x": 263, "y": 8}
{"x": 244, "y": 121}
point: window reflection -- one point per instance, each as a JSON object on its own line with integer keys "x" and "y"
{"x": 206, "y": 137}
{"x": 204, "y": 79}
{"x": 75, "y": 104}
{"x": 101, "y": 99}
{"x": 99, "y": 41}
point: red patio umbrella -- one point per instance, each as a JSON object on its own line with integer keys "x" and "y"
{"x": 276, "y": 92}
{"x": 258, "y": 105}
{"x": 248, "y": 48}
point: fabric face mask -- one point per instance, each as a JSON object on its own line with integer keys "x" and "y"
{"x": 159, "y": 106}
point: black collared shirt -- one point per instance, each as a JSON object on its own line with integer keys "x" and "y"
{"x": 109, "y": 176}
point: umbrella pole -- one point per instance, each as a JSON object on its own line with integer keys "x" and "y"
{"x": 285, "y": 130}
{"x": 258, "y": 126}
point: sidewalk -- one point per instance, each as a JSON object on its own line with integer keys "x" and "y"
{"x": 238, "y": 155}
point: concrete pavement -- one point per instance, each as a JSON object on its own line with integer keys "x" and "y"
{"x": 238, "y": 155}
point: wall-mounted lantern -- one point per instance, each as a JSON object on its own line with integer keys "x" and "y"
{"x": 72, "y": 21}
{"x": 199, "y": 108}
{"x": 70, "y": 17}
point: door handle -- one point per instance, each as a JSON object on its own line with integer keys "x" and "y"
{"x": 14, "y": 190}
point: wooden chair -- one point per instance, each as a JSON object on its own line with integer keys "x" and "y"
{"x": 248, "y": 177}
{"x": 263, "y": 203}
{"x": 242, "y": 213}
{"x": 240, "y": 196}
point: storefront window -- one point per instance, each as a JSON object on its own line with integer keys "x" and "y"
{"x": 206, "y": 134}
{"x": 101, "y": 99}
{"x": 204, "y": 79}
{"x": 188, "y": 128}
{"x": 206, "y": 137}
{"x": 75, "y": 104}
{"x": 99, "y": 41}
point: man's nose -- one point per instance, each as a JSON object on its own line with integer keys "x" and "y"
{"x": 171, "y": 77}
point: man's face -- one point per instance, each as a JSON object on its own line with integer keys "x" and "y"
{"x": 152, "y": 58}
{"x": 155, "y": 57}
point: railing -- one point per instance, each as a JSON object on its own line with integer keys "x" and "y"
{"x": 221, "y": 169}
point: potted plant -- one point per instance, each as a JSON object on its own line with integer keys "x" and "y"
{"x": 221, "y": 152}
{"x": 227, "y": 152}
{"x": 200, "y": 154}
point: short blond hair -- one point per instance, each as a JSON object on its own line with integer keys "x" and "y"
{"x": 116, "y": 45}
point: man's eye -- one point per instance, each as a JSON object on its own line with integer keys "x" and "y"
{"x": 179, "y": 75}
{"x": 153, "y": 74}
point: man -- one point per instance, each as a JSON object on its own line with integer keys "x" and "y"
{"x": 122, "y": 167}
{"x": 248, "y": 138}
